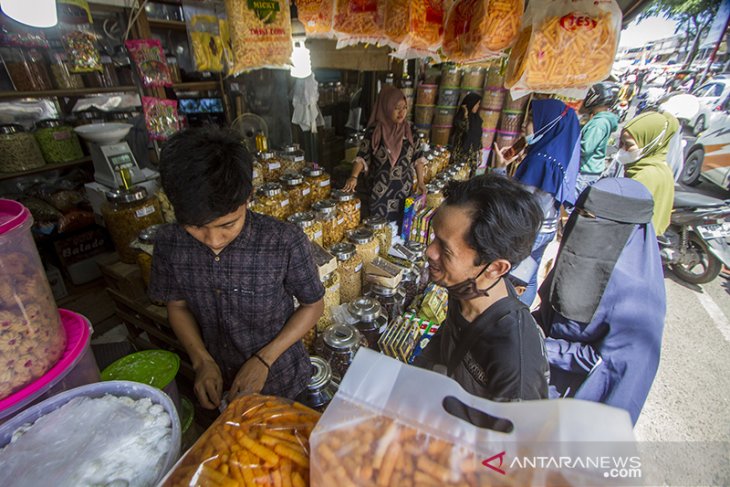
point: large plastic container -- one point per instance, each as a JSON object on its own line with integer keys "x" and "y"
{"x": 32, "y": 339}
{"x": 116, "y": 388}
{"x": 77, "y": 367}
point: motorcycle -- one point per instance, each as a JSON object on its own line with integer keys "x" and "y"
{"x": 695, "y": 246}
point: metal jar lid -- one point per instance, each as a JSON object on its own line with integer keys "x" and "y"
{"x": 48, "y": 123}
{"x": 126, "y": 196}
{"x": 265, "y": 156}
{"x": 292, "y": 179}
{"x": 326, "y": 208}
{"x": 416, "y": 247}
{"x": 270, "y": 189}
{"x": 312, "y": 172}
{"x": 365, "y": 309}
{"x": 383, "y": 290}
{"x": 343, "y": 251}
{"x": 321, "y": 373}
{"x": 433, "y": 189}
{"x": 11, "y": 128}
{"x": 148, "y": 234}
{"x": 376, "y": 222}
{"x": 341, "y": 337}
{"x": 361, "y": 236}
{"x": 303, "y": 219}
{"x": 342, "y": 196}
{"x": 290, "y": 149}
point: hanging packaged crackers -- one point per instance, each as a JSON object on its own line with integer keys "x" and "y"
{"x": 257, "y": 441}
{"x": 479, "y": 29}
{"x": 317, "y": 16}
{"x": 567, "y": 45}
{"x": 204, "y": 35}
{"x": 261, "y": 34}
{"x": 160, "y": 117}
{"x": 357, "y": 21}
{"x": 150, "y": 61}
{"x": 415, "y": 25}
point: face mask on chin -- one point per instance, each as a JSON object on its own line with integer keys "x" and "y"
{"x": 468, "y": 290}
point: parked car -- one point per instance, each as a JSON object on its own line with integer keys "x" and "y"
{"x": 708, "y": 157}
{"x": 713, "y": 95}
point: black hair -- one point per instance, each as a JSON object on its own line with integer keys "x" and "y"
{"x": 206, "y": 173}
{"x": 505, "y": 217}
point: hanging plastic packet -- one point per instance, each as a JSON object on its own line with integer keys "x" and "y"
{"x": 225, "y": 30}
{"x": 150, "y": 61}
{"x": 358, "y": 21}
{"x": 81, "y": 52}
{"x": 317, "y": 17}
{"x": 414, "y": 28}
{"x": 161, "y": 117}
{"x": 204, "y": 35}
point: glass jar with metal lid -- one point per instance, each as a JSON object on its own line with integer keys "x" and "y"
{"x": 383, "y": 232}
{"x": 319, "y": 182}
{"x": 332, "y": 287}
{"x": 309, "y": 224}
{"x": 145, "y": 245}
{"x": 420, "y": 250}
{"x": 258, "y": 174}
{"x": 19, "y": 150}
{"x": 271, "y": 166}
{"x": 292, "y": 159}
{"x": 322, "y": 386}
{"x": 435, "y": 196}
{"x": 58, "y": 141}
{"x": 349, "y": 267}
{"x": 391, "y": 299}
{"x": 409, "y": 283}
{"x": 349, "y": 206}
{"x": 432, "y": 166}
{"x": 126, "y": 213}
{"x": 366, "y": 245}
{"x": 338, "y": 345}
{"x": 371, "y": 319}
{"x": 271, "y": 201}
{"x": 299, "y": 194}
{"x": 333, "y": 229}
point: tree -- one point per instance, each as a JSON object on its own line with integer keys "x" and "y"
{"x": 692, "y": 16}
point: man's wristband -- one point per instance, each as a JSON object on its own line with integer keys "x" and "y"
{"x": 268, "y": 367}
{"x": 353, "y": 177}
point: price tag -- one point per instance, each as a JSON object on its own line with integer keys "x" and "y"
{"x": 284, "y": 203}
{"x": 317, "y": 235}
{"x": 142, "y": 212}
{"x": 336, "y": 287}
{"x": 325, "y": 183}
{"x": 357, "y": 206}
{"x": 298, "y": 158}
{"x": 305, "y": 191}
{"x": 274, "y": 165}
{"x": 340, "y": 221}
{"x": 358, "y": 268}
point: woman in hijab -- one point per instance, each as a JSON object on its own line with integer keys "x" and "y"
{"x": 603, "y": 312}
{"x": 644, "y": 149}
{"x": 389, "y": 156}
{"x": 468, "y": 130}
{"x": 549, "y": 170}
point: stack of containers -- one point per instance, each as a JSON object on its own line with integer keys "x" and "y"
{"x": 510, "y": 124}
{"x": 490, "y": 110}
{"x": 425, "y": 105}
{"x": 472, "y": 80}
{"x": 409, "y": 93}
{"x": 449, "y": 96}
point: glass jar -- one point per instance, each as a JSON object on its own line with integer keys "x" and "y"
{"x": 126, "y": 213}
{"x": 299, "y": 194}
{"x": 319, "y": 182}
{"x": 63, "y": 79}
{"x": 322, "y": 386}
{"x": 89, "y": 117}
{"x": 349, "y": 266}
{"x": 409, "y": 283}
{"x": 383, "y": 232}
{"x": 28, "y": 69}
{"x": 292, "y": 159}
{"x": 371, "y": 319}
{"x": 271, "y": 166}
{"x": 258, "y": 174}
{"x": 349, "y": 206}
{"x": 168, "y": 212}
{"x": 419, "y": 249}
{"x": 123, "y": 67}
{"x": 435, "y": 196}
{"x": 391, "y": 299}
{"x": 331, "y": 283}
{"x": 109, "y": 72}
{"x": 19, "y": 150}
{"x": 174, "y": 67}
{"x": 333, "y": 230}
{"x": 338, "y": 345}
{"x": 366, "y": 245}
{"x": 271, "y": 201}
{"x": 58, "y": 141}
{"x": 309, "y": 224}
{"x": 144, "y": 245}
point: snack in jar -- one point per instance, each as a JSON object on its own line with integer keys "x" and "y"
{"x": 333, "y": 229}
{"x": 440, "y": 134}
{"x": 298, "y": 193}
{"x": 450, "y": 76}
{"x": 493, "y": 98}
{"x": 257, "y": 440}
{"x": 145, "y": 245}
{"x": 511, "y": 120}
{"x": 257, "y": 176}
{"x": 477, "y": 30}
{"x": 419, "y": 250}
{"x": 383, "y": 232}
{"x": 444, "y": 115}
{"x": 63, "y": 79}
{"x": 434, "y": 197}
{"x": 391, "y": 299}
{"x": 348, "y": 205}
{"x": 322, "y": 386}
{"x": 331, "y": 283}
{"x": 448, "y": 97}
{"x": 319, "y": 182}
{"x": 366, "y": 245}
{"x": 271, "y": 166}
{"x": 349, "y": 267}
{"x": 426, "y": 94}
{"x": 271, "y": 201}
{"x": 292, "y": 159}
{"x": 27, "y": 68}
{"x": 58, "y": 142}
{"x": 19, "y": 150}
{"x": 490, "y": 118}
{"x": 371, "y": 319}
{"x": 338, "y": 344}
{"x": 309, "y": 224}
{"x": 424, "y": 114}
{"x": 473, "y": 79}
{"x": 126, "y": 213}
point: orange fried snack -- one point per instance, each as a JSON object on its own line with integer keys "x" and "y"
{"x": 358, "y": 18}
{"x": 418, "y": 23}
{"x": 316, "y": 15}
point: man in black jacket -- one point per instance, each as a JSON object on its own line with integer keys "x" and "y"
{"x": 489, "y": 343}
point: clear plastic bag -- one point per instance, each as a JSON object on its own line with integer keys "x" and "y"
{"x": 81, "y": 51}
{"x": 204, "y": 35}
{"x": 150, "y": 61}
{"x": 161, "y": 117}
{"x": 258, "y": 440}
{"x": 358, "y": 21}
{"x": 317, "y": 17}
{"x": 564, "y": 47}
{"x": 414, "y": 27}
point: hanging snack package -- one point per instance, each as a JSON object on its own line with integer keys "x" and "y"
{"x": 204, "y": 36}
{"x": 81, "y": 52}
{"x": 160, "y": 117}
{"x": 479, "y": 29}
{"x": 261, "y": 34}
{"x": 414, "y": 28}
{"x": 317, "y": 17}
{"x": 151, "y": 63}
{"x": 358, "y": 21}
{"x": 258, "y": 440}
{"x": 564, "y": 47}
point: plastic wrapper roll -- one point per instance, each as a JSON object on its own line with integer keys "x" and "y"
{"x": 258, "y": 440}
{"x": 317, "y": 16}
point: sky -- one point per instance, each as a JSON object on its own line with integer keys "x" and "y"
{"x": 637, "y": 34}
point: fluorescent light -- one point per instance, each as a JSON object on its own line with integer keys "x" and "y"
{"x": 35, "y": 13}
{"x": 301, "y": 60}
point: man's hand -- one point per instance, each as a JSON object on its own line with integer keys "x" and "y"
{"x": 208, "y": 384}
{"x": 350, "y": 184}
{"x": 250, "y": 379}
{"x": 421, "y": 188}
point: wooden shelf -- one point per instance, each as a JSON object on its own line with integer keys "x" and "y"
{"x": 167, "y": 24}
{"x": 197, "y": 86}
{"x": 46, "y": 168}
{"x": 77, "y": 92}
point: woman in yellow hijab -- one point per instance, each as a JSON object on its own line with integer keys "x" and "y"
{"x": 643, "y": 150}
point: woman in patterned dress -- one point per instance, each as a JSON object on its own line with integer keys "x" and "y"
{"x": 389, "y": 156}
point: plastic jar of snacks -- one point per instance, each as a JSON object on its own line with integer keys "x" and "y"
{"x": 63, "y": 79}
{"x": 257, "y": 178}
{"x": 333, "y": 229}
{"x": 19, "y": 150}
{"x": 371, "y": 319}
{"x": 349, "y": 267}
{"x": 58, "y": 141}
{"x": 33, "y": 339}
{"x": 309, "y": 224}
{"x": 366, "y": 245}
{"x": 435, "y": 196}
{"x": 391, "y": 299}
{"x": 145, "y": 244}
{"x": 168, "y": 212}
{"x": 450, "y": 76}
{"x": 319, "y": 182}
{"x": 338, "y": 345}
{"x": 299, "y": 193}
{"x": 126, "y": 213}
{"x": 383, "y": 232}
{"x": 27, "y": 69}
{"x": 271, "y": 200}
{"x": 349, "y": 206}
{"x": 271, "y": 166}
{"x": 332, "y": 287}
{"x": 292, "y": 159}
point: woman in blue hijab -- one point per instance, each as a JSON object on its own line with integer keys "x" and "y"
{"x": 549, "y": 170}
{"x": 603, "y": 311}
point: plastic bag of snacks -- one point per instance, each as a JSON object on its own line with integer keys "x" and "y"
{"x": 81, "y": 52}
{"x": 258, "y": 440}
{"x": 150, "y": 61}
{"x": 385, "y": 428}
{"x": 261, "y": 34}
{"x": 358, "y": 21}
{"x": 564, "y": 45}
{"x": 479, "y": 29}
{"x": 161, "y": 117}
{"x": 317, "y": 16}
{"x": 415, "y": 25}
{"x": 204, "y": 36}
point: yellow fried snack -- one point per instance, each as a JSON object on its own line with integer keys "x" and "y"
{"x": 358, "y": 18}
{"x": 316, "y": 15}
{"x": 417, "y": 23}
